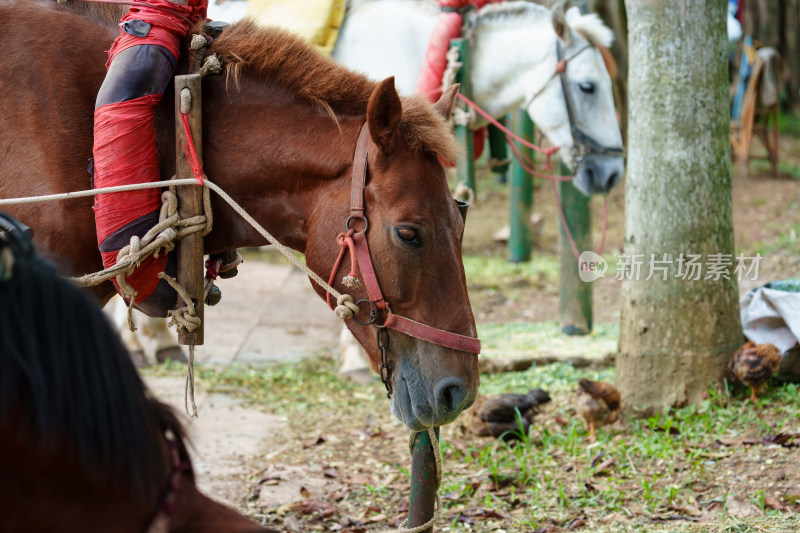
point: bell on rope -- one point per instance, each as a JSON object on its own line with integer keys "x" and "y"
{"x": 214, "y": 295}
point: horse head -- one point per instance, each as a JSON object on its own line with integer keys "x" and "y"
{"x": 414, "y": 237}
{"x": 585, "y": 124}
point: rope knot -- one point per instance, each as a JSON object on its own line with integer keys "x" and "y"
{"x": 345, "y": 307}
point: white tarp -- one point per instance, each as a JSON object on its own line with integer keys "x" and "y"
{"x": 772, "y": 315}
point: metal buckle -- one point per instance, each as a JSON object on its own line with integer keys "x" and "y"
{"x": 373, "y": 313}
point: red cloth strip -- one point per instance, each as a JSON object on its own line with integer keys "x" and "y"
{"x": 125, "y": 153}
{"x": 191, "y": 153}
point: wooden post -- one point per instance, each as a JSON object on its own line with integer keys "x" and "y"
{"x": 575, "y": 296}
{"x": 520, "y": 240}
{"x": 422, "y": 499}
{"x": 465, "y": 165}
{"x": 190, "y": 200}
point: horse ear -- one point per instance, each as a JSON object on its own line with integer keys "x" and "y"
{"x": 383, "y": 114}
{"x": 560, "y": 22}
{"x": 446, "y": 102}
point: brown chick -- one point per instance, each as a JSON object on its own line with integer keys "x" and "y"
{"x": 598, "y": 403}
{"x": 494, "y": 415}
{"x": 754, "y": 364}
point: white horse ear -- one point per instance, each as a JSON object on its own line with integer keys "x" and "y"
{"x": 447, "y": 101}
{"x": 560, "y": 22}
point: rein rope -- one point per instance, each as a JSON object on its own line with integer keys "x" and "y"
{"x": 462, "y": 117}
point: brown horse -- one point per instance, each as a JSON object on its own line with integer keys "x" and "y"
{"x": 280, "y": 129}
{"x": 84, "y": 447}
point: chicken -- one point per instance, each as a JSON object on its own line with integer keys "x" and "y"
{"x": 754, "y": 364}
{"x": 598, "y": 404}
{"x": 495, "y": 416}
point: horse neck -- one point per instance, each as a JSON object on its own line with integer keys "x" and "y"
{"x": 509, "y": 62}
{"x": 279, "y": 158}
{"x": 197, "y": 513}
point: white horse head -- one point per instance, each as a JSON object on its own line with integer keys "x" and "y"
{"x": 587, "y": 82}
{"x": 513, "y": 66}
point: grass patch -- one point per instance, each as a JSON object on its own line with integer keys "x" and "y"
{"x": 525, "y": 338}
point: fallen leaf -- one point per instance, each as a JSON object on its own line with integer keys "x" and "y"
{"x": 377, "y": 518}
{"x": 371, "y": 509}
{"x": 331, "y": 473}
{"x": 774, "y": 503}
{"x": 576, "y": 524}
{"x": 686, "y": 509}
{"x": 603, "y": 467}
{"x": 548, "y": 529}
{"x": 316, "y": 442}
{"x": 304, "y": 492}
{"x": 464, "y": 519}
{"x": 740, "y": 507}
{"x": 357, "y": 480}
{"x": 395, "y": 521}
{"x": 313, "y": 505}
{"x": 597, "y": 459}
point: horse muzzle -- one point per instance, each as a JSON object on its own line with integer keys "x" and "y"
{"x": 597, "y": 174}
{"x": 421, "y": 401}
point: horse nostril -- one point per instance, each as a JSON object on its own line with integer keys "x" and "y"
{"x": 612, "y": 180}
{"x": 450, "y": 394}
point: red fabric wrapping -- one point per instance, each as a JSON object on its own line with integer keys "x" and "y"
{"x": 145, "y": 278}
{"x": 124, "y": 153}
{"x": 446, "y": 28}
{"x": 167, "y": 27}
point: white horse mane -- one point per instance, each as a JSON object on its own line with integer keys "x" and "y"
{"x": 590, "y": 26}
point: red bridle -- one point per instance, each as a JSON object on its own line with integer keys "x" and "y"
{"x": 356, "y": 243}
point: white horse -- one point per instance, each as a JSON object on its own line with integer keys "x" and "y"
{"x": 514, "y": 62}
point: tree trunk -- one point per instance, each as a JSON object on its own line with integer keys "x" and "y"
{"x": 676, "y": 334}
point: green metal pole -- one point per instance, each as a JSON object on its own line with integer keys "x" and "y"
{"x": 520, "y": 240}
{"x": 422, "y": 499}
{"x": 575, "y": 296}
{"x": 498, "y": 151}
{"x": 465, "y": 165}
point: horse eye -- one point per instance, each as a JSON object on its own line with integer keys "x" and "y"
{"x": 586, "y": 86}
{"x": 408, "y": 235}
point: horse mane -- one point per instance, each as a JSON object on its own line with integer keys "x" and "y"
{"x": 588, "y": 26}
{"x": 68, "y": 385}
{"x": 278, "y": 57}
{"x": 106, "y": 14}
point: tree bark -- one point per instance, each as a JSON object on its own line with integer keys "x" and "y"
{"x": 676, "y": 334}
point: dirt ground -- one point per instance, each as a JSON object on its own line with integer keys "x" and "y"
{"x": 340, "y": 464}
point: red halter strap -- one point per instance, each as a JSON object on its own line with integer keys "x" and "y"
{"x": 356, "y": 241}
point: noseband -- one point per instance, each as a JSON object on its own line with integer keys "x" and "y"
{"x": 356, "y": 243}
{"x": 582, "y": 143}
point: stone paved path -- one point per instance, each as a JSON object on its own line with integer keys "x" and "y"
{"x": 268, "y": 313}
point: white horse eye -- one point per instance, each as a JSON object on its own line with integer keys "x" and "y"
{"x": 586, "y": 86}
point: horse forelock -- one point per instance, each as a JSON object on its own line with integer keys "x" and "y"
{"x": 278, "y": 57}
{"x": 593, "y": 29}
{"x": 67, "y": 384}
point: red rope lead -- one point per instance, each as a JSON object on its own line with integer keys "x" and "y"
{"x": 188, "y": 149}
{"x": 550, "y": 150}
